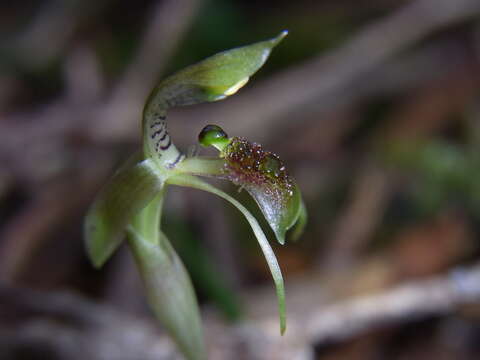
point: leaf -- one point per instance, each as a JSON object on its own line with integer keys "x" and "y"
{"x": 128, "y": 192}
{"x": 212, "y": 79}
{"x": 169, "y": 291}
{"x": 195, "y": 182}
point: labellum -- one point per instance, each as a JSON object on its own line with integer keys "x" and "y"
{"x": 261, "y": 173}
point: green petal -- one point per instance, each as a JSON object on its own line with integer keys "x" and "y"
{"x": 214, "y": 78}
{"x": 169, "y": 291}
{"x": 195, "y": 182}
{"x": 128, "y": 192}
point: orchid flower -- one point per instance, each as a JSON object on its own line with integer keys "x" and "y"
{"x": 130, "y": 205}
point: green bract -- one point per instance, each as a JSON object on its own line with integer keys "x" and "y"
{"x": 130, "y": 204}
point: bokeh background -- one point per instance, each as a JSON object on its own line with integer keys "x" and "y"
{"x": 373, "y": 105}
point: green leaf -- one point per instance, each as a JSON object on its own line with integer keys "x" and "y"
{"x": 195, "y": 182}
{"x": 128, "y": 192}
{"x": 212, "y": 79}
{"x": 169, "y": 291}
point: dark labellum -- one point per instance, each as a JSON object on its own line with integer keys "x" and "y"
{"x": 248, "y": 165}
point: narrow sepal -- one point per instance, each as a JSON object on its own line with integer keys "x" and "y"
{"x": 169, "y": 292}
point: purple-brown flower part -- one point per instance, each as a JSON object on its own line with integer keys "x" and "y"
{"x": 265, "y": 177}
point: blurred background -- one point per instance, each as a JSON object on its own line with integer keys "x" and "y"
{"x": 374, "y": 107}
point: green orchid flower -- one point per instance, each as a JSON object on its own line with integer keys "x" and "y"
{"x": 130, "y": 205}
